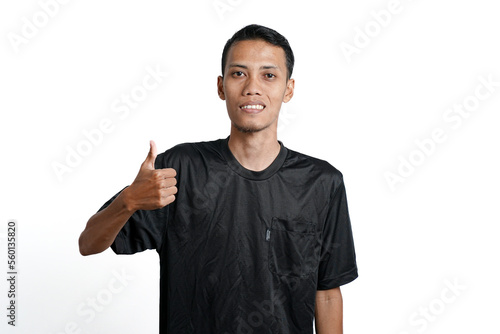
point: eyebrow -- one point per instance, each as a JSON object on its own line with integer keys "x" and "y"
{"x": 265, "y": 67}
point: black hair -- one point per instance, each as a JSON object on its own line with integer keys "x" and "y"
{"x": 256, "y": 32}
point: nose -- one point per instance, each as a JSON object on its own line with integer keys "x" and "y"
{"x": 252, "y": 86}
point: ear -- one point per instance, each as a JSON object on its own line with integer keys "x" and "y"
{"x": 290, "y": 86}
{"x": 220, "y": 87}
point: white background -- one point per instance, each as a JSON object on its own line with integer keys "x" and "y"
{"x": 362, "y": 113}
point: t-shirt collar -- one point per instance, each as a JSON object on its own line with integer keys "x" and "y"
{"x": 250, "y": 174}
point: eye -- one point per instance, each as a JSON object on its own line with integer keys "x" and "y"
{"x": 238, "y": 74}
{"x": 270, "y": 76}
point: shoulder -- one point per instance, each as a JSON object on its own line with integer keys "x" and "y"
{"x": 314, "y": 168}
{"x": 188, "y": 151}
{"x": 300, "y": 160}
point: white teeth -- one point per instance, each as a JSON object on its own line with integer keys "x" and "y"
{"x": 253, "y": 106}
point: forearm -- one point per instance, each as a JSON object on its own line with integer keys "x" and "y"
{"x": 329, "y": 312}
{"x": 103, "y": 227}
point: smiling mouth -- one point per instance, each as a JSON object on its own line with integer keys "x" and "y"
{"x": 252, "y": 108}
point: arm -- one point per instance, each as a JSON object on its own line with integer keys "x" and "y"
{"x": 103, "y": 227}
{"x": 328, "y": 311}
{"x": 151, "y": 189}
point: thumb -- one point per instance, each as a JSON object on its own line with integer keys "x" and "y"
{"x": 149, "y": 163}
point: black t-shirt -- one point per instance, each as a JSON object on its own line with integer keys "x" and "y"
{"x": 244, "y": 251}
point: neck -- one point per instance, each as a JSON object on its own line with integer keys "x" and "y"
{"x": 254, "y": 150}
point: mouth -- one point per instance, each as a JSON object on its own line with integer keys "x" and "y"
{"x": 252, "y": 107}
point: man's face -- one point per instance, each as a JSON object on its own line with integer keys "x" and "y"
{"x": 254, "y": 85}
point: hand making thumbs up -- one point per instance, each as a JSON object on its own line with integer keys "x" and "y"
{"x": 152, "y": 188}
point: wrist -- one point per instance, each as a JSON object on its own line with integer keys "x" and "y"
{"x": 127, "y": 202}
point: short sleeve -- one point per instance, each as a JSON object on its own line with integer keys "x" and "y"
{"x": 144, "y": 230}
{"x": 338, "y": 259}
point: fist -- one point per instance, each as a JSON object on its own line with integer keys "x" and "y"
{"x": 152, "y": 188}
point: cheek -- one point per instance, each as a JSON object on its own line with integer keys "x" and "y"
{"x": 277, "y": 92}
{"x": 277, "y": 96}
{"x": 231, "y": 93}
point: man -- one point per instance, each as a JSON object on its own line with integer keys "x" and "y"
{"x": 252, "y": 236}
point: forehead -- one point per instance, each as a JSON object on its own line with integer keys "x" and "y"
{"x": 256, "y": 52}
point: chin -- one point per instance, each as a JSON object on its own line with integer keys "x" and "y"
{"x": 249, "y": 128}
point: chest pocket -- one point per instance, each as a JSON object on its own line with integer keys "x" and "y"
{"x": 293, "y": 248}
